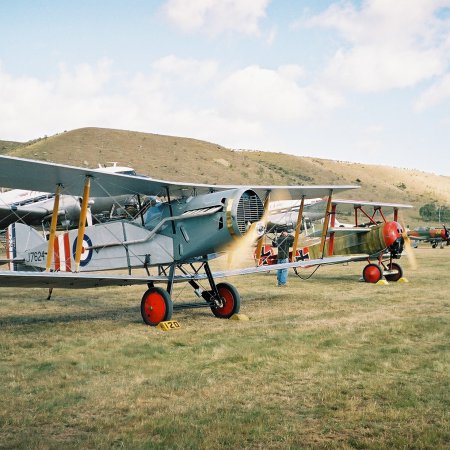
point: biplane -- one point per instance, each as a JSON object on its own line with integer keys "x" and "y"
{"x": 283, "y": 214}
{"x": 378, "y": 241}
{"x": 434, "y": 236}
{"x": 173, "y": 240}
{"x": 36, "y": 207}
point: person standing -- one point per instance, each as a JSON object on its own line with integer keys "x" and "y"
{"x": 282, "y": 243}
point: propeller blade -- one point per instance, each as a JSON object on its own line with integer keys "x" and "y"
{"x": 263, "y": 221}
{"x": 240, "y": 251}
{"x": 407, "y": 244}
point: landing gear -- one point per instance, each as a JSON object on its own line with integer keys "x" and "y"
{"x": 394, "y": 267}
{"x": 228, "y": 303}
{"x": 372, "y": 273}
{"x": 156, "y": 306}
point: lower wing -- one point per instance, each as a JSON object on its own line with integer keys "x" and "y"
{"x": 89, "y": 280}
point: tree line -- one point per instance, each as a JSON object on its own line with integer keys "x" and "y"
{"x": 433, "y": 212}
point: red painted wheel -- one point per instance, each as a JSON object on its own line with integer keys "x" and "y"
{"x": 231, "y": 301}
{"x": 372, "y": 273}
{"x": 156, "y": 306}
{"x": 394, "y": 276}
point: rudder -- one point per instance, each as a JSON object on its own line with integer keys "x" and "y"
{"x": 19, "y": 239}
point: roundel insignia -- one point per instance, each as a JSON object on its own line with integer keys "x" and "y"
{"x": 86, "y": 251}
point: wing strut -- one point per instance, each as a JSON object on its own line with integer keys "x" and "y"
{"x": 298, "y": 228}
{"x": 395, "y": 214}
{"x": 51, "y": 239}
{"x": 332, "y": 233}
{"x": 325, "y": 224}
{"x": 82, "y": 222}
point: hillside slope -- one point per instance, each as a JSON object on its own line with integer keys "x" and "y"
{"x": 7, "y": 146}
{"x": 185, "y": 159}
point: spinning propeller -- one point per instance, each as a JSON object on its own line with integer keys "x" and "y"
{"x": 447, "y": 234}
{"x": 240, "y": 250}
{"x": 407, "y": 244}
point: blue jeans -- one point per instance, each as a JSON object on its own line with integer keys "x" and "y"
{"x": 282, "y": 274}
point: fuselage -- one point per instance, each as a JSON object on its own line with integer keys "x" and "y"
{"x": 373, "y": 241}
{"x": 184, "y": 230}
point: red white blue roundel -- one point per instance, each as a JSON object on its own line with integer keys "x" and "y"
{"x": 86, "y": 251}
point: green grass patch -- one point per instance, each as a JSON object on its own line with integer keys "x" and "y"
{"x": 325, "y": 363}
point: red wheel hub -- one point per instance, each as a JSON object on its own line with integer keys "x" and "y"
{"x": 228, "y": 306}
{"x": 154, "y": 307}
{"x": 372, "y": 273}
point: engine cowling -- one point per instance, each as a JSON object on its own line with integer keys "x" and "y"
{"x": 236, "y": 210}
{"x": 393, "y": 238}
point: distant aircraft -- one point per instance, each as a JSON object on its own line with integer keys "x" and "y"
{"x": 194, "y": 224}
{"x": 283, "y": 214}
{"x": 435, "y": 236}
{"x": 36, "y": 207}
{"x": 380, "y": 241}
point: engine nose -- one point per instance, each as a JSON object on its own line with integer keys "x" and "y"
{"x": 393, "y": 238}
{"x": 391, "y": 232}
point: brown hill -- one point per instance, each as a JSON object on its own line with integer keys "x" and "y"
{"x": 185, "y": 159}
{"x": 7, "y": 146}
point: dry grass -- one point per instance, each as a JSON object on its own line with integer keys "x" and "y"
{"x": 324, "y": 363}
{"x": 191, "y": 160}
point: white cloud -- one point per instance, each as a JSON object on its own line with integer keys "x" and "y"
{"x": 84, "y": 79}
{"x": 30, "y": 107}
{"x": 186, "y": 70}
{"x": 177, "y": 96}
{"x": 273, "y": 95}
{"x": 437, "y": 93}
{"x": 173, "y": 98}
{"x": 387, "y": 44}
{"x": 217, "y": 16}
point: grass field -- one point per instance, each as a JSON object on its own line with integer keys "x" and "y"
{"x": 324, "y": 363}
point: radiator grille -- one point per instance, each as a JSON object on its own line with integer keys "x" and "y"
{"x": 250, "y": 209}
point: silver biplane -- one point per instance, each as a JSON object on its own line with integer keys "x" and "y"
{"x": 36, "y": 207}
{"x": 179, "y": 235}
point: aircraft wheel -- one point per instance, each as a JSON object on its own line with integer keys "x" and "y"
{"x": 394, "y": 276}
{"x": 372, "y": 273}
{"x": 232, "y": 301}
{"x": 156, "y": 306}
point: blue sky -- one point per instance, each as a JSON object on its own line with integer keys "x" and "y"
{"x": 364, "y": 81}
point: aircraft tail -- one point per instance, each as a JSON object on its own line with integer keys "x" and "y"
{"x": 19, "y": 239}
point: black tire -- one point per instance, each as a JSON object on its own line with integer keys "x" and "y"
{"x": 372, "y": 273}
{"x": 156, "y": 306}
{"x": 394, "y": 276}
{"x": 232, "y": 300}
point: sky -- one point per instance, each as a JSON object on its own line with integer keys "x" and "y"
{"x": 363, "y": 81}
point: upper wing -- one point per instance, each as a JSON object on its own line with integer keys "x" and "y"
{"x": 37, "y": 175}
{"x": 86, "y": 280}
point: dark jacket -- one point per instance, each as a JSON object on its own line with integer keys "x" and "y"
{"x": 283, "y": 243}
